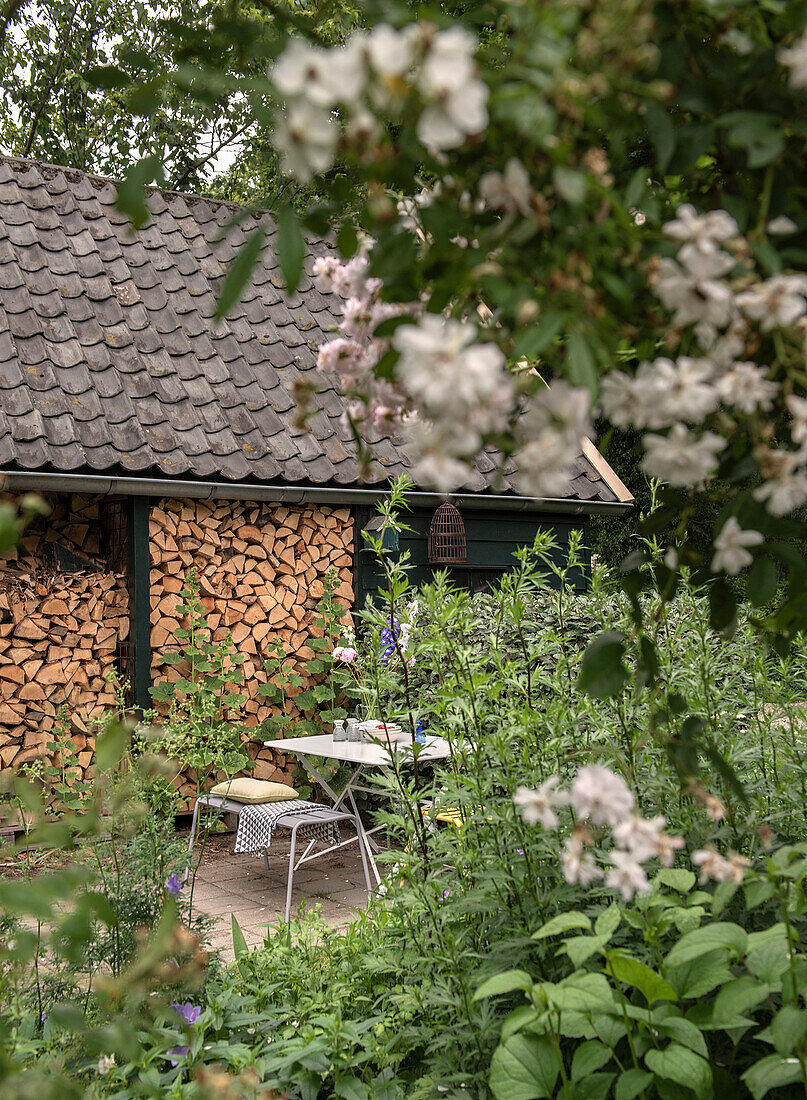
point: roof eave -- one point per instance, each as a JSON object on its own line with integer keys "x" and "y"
{"x": 22, "y": 480}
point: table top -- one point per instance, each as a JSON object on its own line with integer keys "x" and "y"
{"x": 358, "y": 752}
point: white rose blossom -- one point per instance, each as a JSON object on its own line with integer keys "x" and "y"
{"x": 787, "y": 489}
{"x": 731, "y": 547}
{"x": 795, "y": 58}
{"x": 704, "y": 231}
{"x": 456, "y": 99}
{"x": 306, "y": 136}
{"x": 577, "y": 863}
{"x": 684, "y": 390}
{"x": 106, "y": 1063}
{"x": 746, "y": 387}
{"x": 714, "y": 866}
{"x": 797, "y": 407}
{"x": 694, "y": 292}
{"x": 537, "y": 805}
{"x": 776, "y": 302}
{"x": 509, "y": 191}
{"x": 644, "y": 838}
{"x": 600, "y": 795}
{"x": 627, "y": 875}
{"x": 681, "y": 458}
{"x": 782, "y": 226}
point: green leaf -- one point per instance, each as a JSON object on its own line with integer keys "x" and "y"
{"x": 662, "y": 134}
{"x": 737, "y": 997}
{"x": 588, "y": 1058}
{"x": 650, "y": 984}
{"x": 769, "y": 960}
{"x": 595, "y": 1087}
{"x": 131, "y": 198}
{"x": 107, "y": 77}
{"x": 631, "y": 1083}
{"x": 602, "y": 672}
{"x": 698, "y": 976}
{"x": 570, "y": 184}
{"x": 762, "y": 581}
{"x": 771, "y": 1073}
{"x": 350, "y": 1088}
{"x": 563, "y": 922}
{"x": 678, "y": 878}
{"x": 291, "y": 248}
{"x": 524, "y": 1068}
{"x": 539, "y": 336}
{"x": 684, "y": 1032}
{"x": 683, "y": 1066}
{"x": 240, "y": 946}
{"x": 608, "y": 922}
{"x": 580, "y": 365}
{"x": 239, "y": 272}
{"x": 110, "y": 746}
{"x": 706, "y": 939}
{"x": 789, "y": 1028}
{"x": 506, "y": 982}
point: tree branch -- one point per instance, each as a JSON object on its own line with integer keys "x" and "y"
{"x": 54, "y": 76}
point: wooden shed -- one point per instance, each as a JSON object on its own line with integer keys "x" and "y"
{"x": 164, "y": 439}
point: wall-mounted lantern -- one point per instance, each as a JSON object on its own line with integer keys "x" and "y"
{"x": 447, "y": 537}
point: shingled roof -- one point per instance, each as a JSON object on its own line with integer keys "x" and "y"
{"x": 110, "y": 361}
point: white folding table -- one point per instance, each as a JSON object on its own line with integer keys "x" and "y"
{"x": 361, "y": 757}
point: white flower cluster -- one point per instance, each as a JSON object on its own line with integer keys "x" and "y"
{"x": 461, "y": 391}
{"x": 676, "y": 397}
{"x": 795, "y": 58}
{"x": 601, "y": 799}
{"x": 550, "y": 434}
{"x": 334, "y": 95}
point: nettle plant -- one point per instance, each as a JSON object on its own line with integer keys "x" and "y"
{"x": 202, "y": 730}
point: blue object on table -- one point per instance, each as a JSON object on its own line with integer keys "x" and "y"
{"x": 420, "y": 734}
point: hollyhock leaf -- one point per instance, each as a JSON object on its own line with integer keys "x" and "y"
{"x": 563, "y": 922}
{"x": 631, "y": 1083}
{"x": 702, "y": 941}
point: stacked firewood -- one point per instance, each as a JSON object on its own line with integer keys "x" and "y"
{"x": 261, "y": 570}
{"x": 58, "y": 635}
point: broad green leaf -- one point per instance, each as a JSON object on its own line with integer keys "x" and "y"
{"x": 703, "y": 940}
{"x": 570, "y": 184}
{"x": 131, "y": 199}
{"x": 595, "y": 1087}
{"x": 631, "y": 1083}
{"x": 110, "y": 746}
{"x": 771, "y": 1073}
{"x": 608, "y": 922}
{"x": 788, "y": 1028}
{"x": 506, "y": 982}
{"x": 580, "y": 948}
{"x": 350, "y": 1088}
{"x": 684, "y": 1032}
{"x": 762, "y": 581}
{"x": 588, "y": 1058}
{"x": 738, "y": 996}
{"x": 650, "y": 984}
{"x": 563, "y": 922}
{"x": 769, "y": 960}
{"x": 291, "y": 247}
{"x": 239, "y": 272}
{"x": 580, "y": 365}
{"x": 683, "y": 1066}
{"x": 581, "y": 992}
{"x": 524, "y": 1068}
{"x": 519, "y": 1018}
{"x": 602, "y": 672}
{"x": 678, "y": 878}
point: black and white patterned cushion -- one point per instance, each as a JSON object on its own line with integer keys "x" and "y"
{"x": 257, "y": 823}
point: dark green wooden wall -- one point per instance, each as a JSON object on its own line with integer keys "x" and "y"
{"x": 491, "y": 538}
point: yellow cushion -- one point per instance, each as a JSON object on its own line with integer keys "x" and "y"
{"x": 254, "y": 791}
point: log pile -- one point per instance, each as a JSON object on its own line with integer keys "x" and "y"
{"x": 58, "y": 636}
{"x": 260, "y": 567}
{"x": 260, "y": 570}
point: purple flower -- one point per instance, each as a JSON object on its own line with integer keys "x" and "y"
{"x": 173, "y": 885}
{"x": 388, "y": 635}
{"x": 181, "y": 1052}
{"x": 187, "y": 1012}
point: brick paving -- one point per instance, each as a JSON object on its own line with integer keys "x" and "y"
{"x": 229, "y": 884}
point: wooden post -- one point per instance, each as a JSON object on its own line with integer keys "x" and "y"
{"x": 140, "y": 604}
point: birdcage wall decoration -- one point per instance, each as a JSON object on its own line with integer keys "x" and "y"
{"x": 447, "y": 544}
